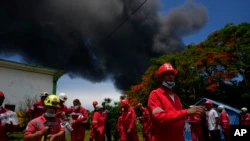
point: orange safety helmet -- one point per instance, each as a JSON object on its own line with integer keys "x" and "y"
{"x": 124, "y": 102}
{"x": 208, "y": 102}
{"x": 2, "y": 94}
{"x": 167, "y": 67}
{"x": 95, "y": 103}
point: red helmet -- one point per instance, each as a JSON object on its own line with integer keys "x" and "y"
{"x": 95, "y": 103}
{"x": 208, "y": 102}
{"x": 167, "y": 67}
{"x": 2, "y": 94}
{"x": 124, "y": 102}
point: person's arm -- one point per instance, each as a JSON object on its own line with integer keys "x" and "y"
{"x": 216, "y": 119}
{"x": 133, "y": 120}
{"x": 84, "y": 116}
{"x": 95, "y": 120}
{"x": 161, "y": 116}
{"x": 30, "y": 133}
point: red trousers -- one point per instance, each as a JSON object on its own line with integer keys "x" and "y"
{"x": 99, "y": 136}
{"x": 196, "y": 132}
{"x": 92, "y": 133}
{"x": 78, "y": 133}
{"x": 226, "y": 134}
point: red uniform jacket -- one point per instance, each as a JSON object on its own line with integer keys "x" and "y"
{"x": 122, "y": 134}
{"x": 4, "y": 130}
{"x": 128, "y": 121}
{"x": 80, "y": 115}
{"x": 63, "y": 108}
{"x": 92, "y": 132}
{"x": 168, "y": 117}
{"x": 194, "y": 120}
{"x": 224, "y": 120}
{"x": 98, "y": 122}
{"x": 40, "y": 122}
{"x": 36, "y": 109}
{"x": 245, "y": 119}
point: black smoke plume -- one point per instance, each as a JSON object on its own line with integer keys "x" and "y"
{"x": 69, "y": 34}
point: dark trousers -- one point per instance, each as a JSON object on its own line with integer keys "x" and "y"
{"x": 215, "y": 135}
{"x": 107, "y": 132}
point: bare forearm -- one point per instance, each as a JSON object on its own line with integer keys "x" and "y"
{"x": 32, "y": 137}
{"x": 59, "y": 134}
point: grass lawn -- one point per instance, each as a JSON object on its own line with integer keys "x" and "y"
{"x": 19, "y": 136}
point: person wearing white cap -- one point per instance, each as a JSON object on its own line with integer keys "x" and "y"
{"x": 38, "y": 108}
{"x": 245, "y": 117}
{"x": 62, "y": 110}
{"x": 224, "y": 122}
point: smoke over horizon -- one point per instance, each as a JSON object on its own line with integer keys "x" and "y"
{"x": 67, "y": 34}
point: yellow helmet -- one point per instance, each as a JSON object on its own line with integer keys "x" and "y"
{"x": 52, "y": 100}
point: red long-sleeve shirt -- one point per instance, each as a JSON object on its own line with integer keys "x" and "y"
{"x": 168, "y": 117}
{"x": 36, "y": 109}
{"x": 80, "y": 115}
{"x": 63, "y": 108}
{"x": 224, "y": 120}
{"x": 128, "y": 118}
{"x": 245, "y": 119}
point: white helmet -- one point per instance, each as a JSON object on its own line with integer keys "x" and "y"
{"x": 44, "y": 94}
{"x": 63, "y": 96}
{"x": 244, "y": 109}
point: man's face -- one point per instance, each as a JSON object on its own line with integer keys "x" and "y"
{"x": 1, "y": 100}
{"x": 168, "y": 76}
{"x": 208, "y": 106}
{"x": 219, "y": 110}
{"x": 43, "y": 98}
{"x": 94, "y": 105}
{"x": 75, "y": 103}
{"x": 51, "y": 109}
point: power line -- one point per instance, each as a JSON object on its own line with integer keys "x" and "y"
{"x": 123, "y": 22}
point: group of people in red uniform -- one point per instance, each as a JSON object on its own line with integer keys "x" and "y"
{"x": 163, "y": 118}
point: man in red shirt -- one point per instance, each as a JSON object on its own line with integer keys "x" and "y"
{"x": 37, "y": 108}
{"x": 128, "y": 121}
{"x": 145, "y": 121}
{"x": 98, "y": 124}
{"x": 106, "y": 113}
{"x": 4, "y": 127}
{"x": 80, "y": 118}
{"x": 165, "y": 107}
{"x": 92, "y": 132}
{"x": 122, "y": 135}
{"x": 245, "y": 117}
{"x": 46, "y": 126}
{"x": 196, "y": 127}
{"x": 224, "y": 122}
{"x": 62, "y": 111}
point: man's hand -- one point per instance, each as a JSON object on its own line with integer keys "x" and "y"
{"x": 129, "y": 131}
{"x": 196, "y": 110}
{"x": 44, "y": 131}
{"x": 52, "y": 137}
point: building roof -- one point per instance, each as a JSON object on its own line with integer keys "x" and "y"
{"x": 219, "y": 103}
{"x": 29, "y": 67}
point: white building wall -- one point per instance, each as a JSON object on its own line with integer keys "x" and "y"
{"x": 16, "y": 84}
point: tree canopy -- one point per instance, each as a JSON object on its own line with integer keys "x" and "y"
{"x": 217, "y": 68}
